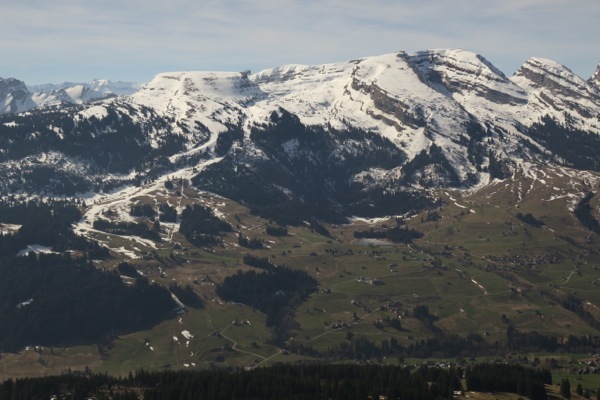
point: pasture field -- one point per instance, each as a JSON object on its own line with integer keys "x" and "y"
{"x": 478, "y": 269}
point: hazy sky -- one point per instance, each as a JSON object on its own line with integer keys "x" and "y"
{"x": 133, "y": 40}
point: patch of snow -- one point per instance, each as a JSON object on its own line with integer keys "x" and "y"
{"x": 9, "y": 228}
{"x": 480, "y": 286}
{"x": 24, "y": 304}
{"x": 37, "y": 249}
{"x": 96, "y": 111}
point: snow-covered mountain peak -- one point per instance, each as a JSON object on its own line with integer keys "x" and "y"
{"x": 211, "y": 100}
{"x": 463, "y": 74}
{"x": 436, "y": 117}
{"x": 103, "y": 87}
{"x": 10, "y": 85}
{"x": 14, "y": 96}
{"x": 595, "y": 79}
{"x": 455, "y": 58}
{"x": 556, "y": 91}
{"x": 538, "y": 73}
{"x": 199, "y": 85}
{"x": 374, "y": 93}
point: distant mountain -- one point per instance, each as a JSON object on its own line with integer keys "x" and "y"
{"x": 362, "y": 137}
{"x": 86, "y": 92}
{"x": 595, "y": 79}
{"x": 16, "y": 96}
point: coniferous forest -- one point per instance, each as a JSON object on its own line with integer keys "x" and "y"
{"x": 61, "y": 298}
{"x": 314, "y": 381}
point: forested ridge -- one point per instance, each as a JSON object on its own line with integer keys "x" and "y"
{"x": 52, "y": 300}
{"x": 47, "y": 223}
{"x": 61, "y": 298}
{"x": 286, "y": 381}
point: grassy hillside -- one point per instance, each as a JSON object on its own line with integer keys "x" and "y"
{"x": 481, "y": 270}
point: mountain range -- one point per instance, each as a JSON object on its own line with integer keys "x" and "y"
{"x": 403, "y": 205}
{"x": 17, "y": 97}
{"x": 361, "y": 137}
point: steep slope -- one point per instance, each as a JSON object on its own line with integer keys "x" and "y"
{"x": 381, "y": 94}
{"x": 554, "y": 90}
{"x": 14, "y": 96}
{"x": 595, "y": 78}
{"x": 562, "y": 113}
{"x": 71, "y": 150}
{"x": 200, "y": 105}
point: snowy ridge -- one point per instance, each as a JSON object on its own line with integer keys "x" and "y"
{"x": 213, "y": 99}
{"x": 465, "y": 75}
{"x": 476, "y": 117}
{"x": 16, "y": 97}
{"x": 555, "y": 90}
{"x": 428, "y": 97}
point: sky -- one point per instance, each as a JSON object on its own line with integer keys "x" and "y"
{"x": 133, "y": 40}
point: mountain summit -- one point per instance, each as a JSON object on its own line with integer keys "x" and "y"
{"x": 359, "y": 133}
{"x": 16, "y": 96}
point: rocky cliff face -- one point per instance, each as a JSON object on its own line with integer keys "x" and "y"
{"x": 595, "y": 79}
{"x": 14, "y": 96}
{"x": 462, "y": 74}
{"x": 555, "y": 90}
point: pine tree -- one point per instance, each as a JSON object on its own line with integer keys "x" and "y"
{"x": 565, "y": 389}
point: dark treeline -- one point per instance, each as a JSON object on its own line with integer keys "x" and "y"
{"x": 421, "y": 312}
{"x": 201, "y": 227}
{"x": 361, "y": 348}
{"x": 51, "y": 299}
{"x": 530, "y": 219}
{"x": 226, "y": 139}
{"x": 508, "y": 378}
{"x": 142, "y": 210}
{"x": 315, "y": 226}
{"x": 259, "y": 262}
{"x": 577, "y": 148}
{"x": 283, "y": 381}
{"x": 167, "y": 213}
{"x": 276, "y": 292}
{"x": 47, "y": 223}
{"x": 446, "y": 345}
{"x": 583, "y": 212}
{"x": 397, "y": 234}
{"x": 250, "y": 243}
{"x": 127, "y": 269}
{"x": 576, "y": 304}
{"x": 278, "y": 231}
{"x": 186, "y": 295}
